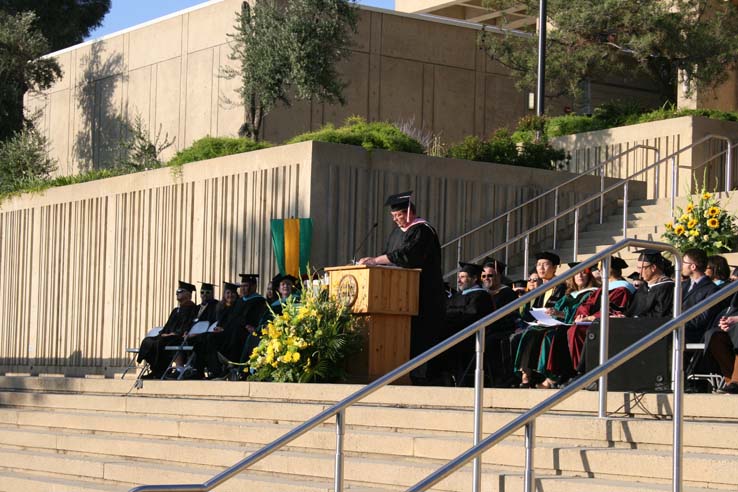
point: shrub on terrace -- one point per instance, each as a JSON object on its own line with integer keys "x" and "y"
{"x": 211, "y": 147}
{"x": 356, "y": 131}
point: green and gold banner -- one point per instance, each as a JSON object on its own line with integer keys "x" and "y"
{"x": 292, "y": 240}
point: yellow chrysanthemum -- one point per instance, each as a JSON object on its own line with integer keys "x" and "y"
{"x": 295, "y": 356}
{"x": 692, "y": 223}
{"x": 669, "y": 225}
{"x": 694, "y": 233}
{"x": 689, "y": 208}
{"x": 713, "y": 211}
{"x": 706, "y": 196}
{"x": 713, "y": 223}
{"x": 679, "y": 230}
{"x": 685, "y": 217}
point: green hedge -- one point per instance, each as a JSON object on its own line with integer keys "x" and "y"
{"x": 616, "y": 114}
{"x": 504, "y": 148}
{"x": 356, "y": 131}
{"x": 211, "y": 147}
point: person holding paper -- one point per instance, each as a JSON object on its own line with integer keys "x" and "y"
{"x": 543, "y": 355}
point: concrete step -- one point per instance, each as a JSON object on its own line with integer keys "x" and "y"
{"x": 14, "y": 481}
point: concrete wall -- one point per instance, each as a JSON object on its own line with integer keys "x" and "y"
{"x": 402, "y": 68}
{"x": 87, "y": 269}
{"x": 669, "y": 136}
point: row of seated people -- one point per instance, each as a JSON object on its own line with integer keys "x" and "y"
{"x": 548, "y": 356}
{"x": 233, "y": 327}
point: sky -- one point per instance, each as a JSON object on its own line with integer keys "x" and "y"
{"x": 128, "y": 13}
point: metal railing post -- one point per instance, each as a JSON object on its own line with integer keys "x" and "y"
{"x": 478, "y": 416}
{"x": 526, "y": 252}
{"x": 576, "y": 235}
{"x": 604, "y": 333}
{"x": 729, "y": 168}
{"x": 602, "y": 196}
{"x": 674, "y": 179}
{"x": 340, "y": 431}
{"x": 625, "y": 209}
{"x": 507, "y": 238}
{"x": 678, "y": 385}
{"x": 556, "y": 222}
{"x": 529, "y": 483}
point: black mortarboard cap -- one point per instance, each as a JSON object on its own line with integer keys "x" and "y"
{"x": 519, "y": 284}
{"x": 399, "y": 201}
{"x": 250, "y": 278}
{"x": 186, "y": 286}
{"x": 206, "y": 286}
{"x": 496, "y": 264}
{"x": 650, "y": 255}
{"x": 289, "y": 277}
{"x": 547, "y": 255}
{"x": 470, "y": 268}
{"x": 618, "y": 263}
{"x": 634, "y": 276}
{"x": 573, "y": 264}
{"x": 229, "y": 286}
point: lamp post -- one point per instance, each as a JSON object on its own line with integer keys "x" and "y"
{"x": 540, "y": 91}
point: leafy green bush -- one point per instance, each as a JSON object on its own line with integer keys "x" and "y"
{"x": 622, "y": 114}
{"x": 356, "y": 131}
{"x": 211, "y": 147}
{"x": 24, "y": 160}
{"x": 502, "y": 148}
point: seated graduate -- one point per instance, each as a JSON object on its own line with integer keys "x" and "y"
{"x": 205, "y": 312}
{"x": 214, "y": 341}
{"x": 655, "y": 297}
{"x": 244, "y": 320}
{"x": 718, "y": 270}
{"x": 695, "y": 289}
{"x": 620, "y": 293}
{"x": 721, "y": 344}
{"x": 179, "y": 322}
{"x": 287, "y": 290}
{"x": 471, "y": 303}
{"x": 554, "y": 362}
{"x": 493, "y": 275}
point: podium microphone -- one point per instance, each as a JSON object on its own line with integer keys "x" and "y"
{"x": 363, "y": 242}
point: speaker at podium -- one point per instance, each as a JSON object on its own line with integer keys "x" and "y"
{"x": 649, "y": 371}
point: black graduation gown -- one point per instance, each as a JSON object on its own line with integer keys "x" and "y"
{"x": 418, "y": 247}
{"x": 504, "y": 296}
{"x": 246, "y": 311}
{"x": 696, "y": 328}
{"x": 653, "y": 301}
{"x": 205, "y": 312}
{"x": 153, "y": 348}
{"x": 461, "y": 311}
{"x": 207, "y": 351}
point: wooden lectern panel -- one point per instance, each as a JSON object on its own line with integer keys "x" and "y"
{"x": 377, "y": 289}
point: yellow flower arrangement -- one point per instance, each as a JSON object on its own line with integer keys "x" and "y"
{"x": 703, "y": 224}
{"x": 308, "y": 341}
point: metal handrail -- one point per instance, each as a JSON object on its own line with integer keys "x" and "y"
{"x": 527, "y": 419}
{"x": 525, "y": 235}
{"x": 477, "y": 328}
{"x": 552, "y": 190}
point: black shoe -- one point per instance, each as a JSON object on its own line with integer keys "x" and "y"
{"x": 732, "y": 389}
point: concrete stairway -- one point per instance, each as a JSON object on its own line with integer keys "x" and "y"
{"x": 646, "y": 220}
{"x": 62, "y": 434}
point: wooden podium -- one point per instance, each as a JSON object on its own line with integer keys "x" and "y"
{"x": 386, "y": 297}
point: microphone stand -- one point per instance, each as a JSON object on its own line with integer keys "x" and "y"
{"x": 363, "y": 242}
